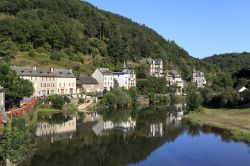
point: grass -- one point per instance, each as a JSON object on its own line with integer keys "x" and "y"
{"x": 46, "y": 111}
{"x": 236, "y": 121}
{"x": 43, "y": 60}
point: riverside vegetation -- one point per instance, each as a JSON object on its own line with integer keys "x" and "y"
{"x": 72, "y": 33}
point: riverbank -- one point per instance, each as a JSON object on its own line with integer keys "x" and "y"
{"x": 236, "y": 121}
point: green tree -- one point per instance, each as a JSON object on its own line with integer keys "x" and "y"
{"x": 57, "y": 101}
{"x": 194, "y": 99}
{"x": 15, "y": 87}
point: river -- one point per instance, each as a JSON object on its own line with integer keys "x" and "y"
{"x": 150, "y": 137}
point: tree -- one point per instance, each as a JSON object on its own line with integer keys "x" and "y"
{"x": 57, "y": 101}
{"x": 194, "y": 99}
{"x": 16, "y": 144}
{"x": 15, "y": 87}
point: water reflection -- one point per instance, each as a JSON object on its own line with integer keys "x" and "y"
{"x": 56, "y": 132}
{"x": 113, "y": 138}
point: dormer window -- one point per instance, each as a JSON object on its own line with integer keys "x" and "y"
{"x": 60, "y": 72}
{"x": 22, "y": 71}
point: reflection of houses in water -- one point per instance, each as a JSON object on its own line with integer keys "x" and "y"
{"x": 156, "y": 130}
{"x": 124, "y": 126}
{"x": 56, "y": 132}
{"x": 175, "y": 117}
{"x": 101, "y": 127}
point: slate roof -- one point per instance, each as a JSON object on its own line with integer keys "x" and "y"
{"x": 157, "y": 61}
{"x": 41, "y": 72}
{"x": 87, "y": 80}
{"x": 174, "y": 73}
{"x": 105, "y": 71}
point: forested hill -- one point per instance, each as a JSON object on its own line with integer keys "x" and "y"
{"x": 71, "y": 30}
{"x": 230, "y": 62}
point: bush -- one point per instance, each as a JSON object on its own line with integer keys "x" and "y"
{"x": 56, "y": 56}
{"x": 57, "y": 101}
{"x": 32, "y": 53}
{"x": 194, "y": 99}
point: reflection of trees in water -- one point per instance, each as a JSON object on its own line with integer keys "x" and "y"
{"x": 57, "y": 118}
{"x": 88, "y": 149}
{"x": 193, "y": 130}
{"x": 116, "y": 148}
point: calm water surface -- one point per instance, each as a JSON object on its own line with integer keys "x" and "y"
{"x": 145, "y": 137}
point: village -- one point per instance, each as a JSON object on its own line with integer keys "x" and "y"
{"x": 53, "y": 81}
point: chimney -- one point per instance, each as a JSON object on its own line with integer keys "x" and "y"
{"x": 34, "y": 67}
{"x": 52, "y": 70}
{"x": 70, "y": 70}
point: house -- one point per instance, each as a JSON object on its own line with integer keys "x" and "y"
{"x": 105, "y": 78}
{"x": 48, "y": 81}
{"x": 240, "y": 88}
{"x": 174, "y": 79}
{"x": 2, "y": 101}
{"x": 88, "y": 84}
{"x": 126, "y": 78}
{"x": 156, "y": 67}
{"x": 198, "y": 78}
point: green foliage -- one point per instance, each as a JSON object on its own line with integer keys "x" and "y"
{"x": 15, "y": 87}
{"x": 156, "y": 99}
{"x": 152, "y": 85}
{"x": 63, "y": 24}
{"x": 8, "y": 49}
{"x": 57, "y": 101}
{"x": 117, "y": 98}
{"x": 56, "y": 56}
{"x": 230, "y": 63}
{"x": 16, "y": 143}
{"x": 194, "y": 99}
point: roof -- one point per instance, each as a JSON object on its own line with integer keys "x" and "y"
{"x": 105, "y": 71}
{"x": 41, "y": 72}
{"x": 87, "y": 80}
{"x": 156, "y": 61}
{"x": 240, "y": 88}
{"x": 174, "y": 73}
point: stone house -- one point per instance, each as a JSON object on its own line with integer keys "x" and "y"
{"x": 198, "y": 78}
{"x": 48, "y": 81}
{"x": 88, "y": 84}
{"x": 174, "y": 79}
{"x": 156, "y": 67}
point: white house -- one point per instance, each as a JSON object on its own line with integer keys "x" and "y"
{"x": 48, "y": 81}
{"x": 2, "y": 101}
{"x": 125, "y": 79}
{"x": 174, "y": 78}
{"x": 198, "y": 78}
{"x": 156, "y": 67}
{"x": 104, "y": 77}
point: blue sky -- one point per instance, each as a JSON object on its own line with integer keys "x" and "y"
{"x": 202, "y": 27}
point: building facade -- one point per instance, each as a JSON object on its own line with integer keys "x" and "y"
{"x": 105, "y": 78}
{"x": 88, "y": 84}
{"x": 48, "y": 81}
{"x": 156, "y": 67}
{"x": 2, "y": 101}
{"x": 174, "y": 79}
{"x": 198, "y": 78}
{"x": 125, "y": 79}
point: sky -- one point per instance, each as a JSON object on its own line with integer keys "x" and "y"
{"x": 201, "y": 27}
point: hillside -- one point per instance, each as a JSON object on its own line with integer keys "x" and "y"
{"x": 230, "y": 62}
{"x": 71, "y": 33}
